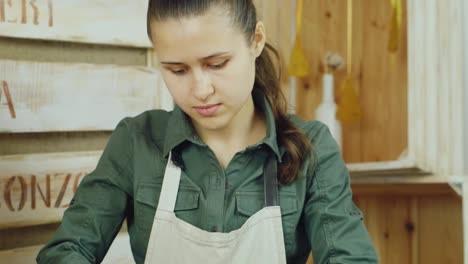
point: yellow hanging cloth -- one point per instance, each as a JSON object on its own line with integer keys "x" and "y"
{"x": 349, "y": 108}
{"x": 395, "y": 26}
{"x": 298, "y": 65}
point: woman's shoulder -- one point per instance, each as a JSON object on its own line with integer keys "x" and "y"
{"x": 317, "y": 132}
{"x": 152, "y": 122}
{"x": 325, "y": 150}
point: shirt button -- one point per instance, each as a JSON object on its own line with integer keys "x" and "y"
{"x": 228, "y": 184}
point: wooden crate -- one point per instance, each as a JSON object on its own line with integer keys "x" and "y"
{"x": 37, "y": 188}
{"x": 411, "y": 102}
{"x": 73, "y": 97}
{"x": 118, "y": 22}
{"x": 67, "y": 97}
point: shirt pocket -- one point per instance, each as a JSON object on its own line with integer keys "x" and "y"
{"x": 250, "y": 202}
{"x": 147, "y": 199}
{"x": 187, "y": 203}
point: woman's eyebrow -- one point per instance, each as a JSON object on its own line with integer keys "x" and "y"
{"x": 171, "y": 63}
{"x": 215, "y": 55}
{"x": 202, "y": 59}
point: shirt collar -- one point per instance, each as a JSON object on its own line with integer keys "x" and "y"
{"x": 180, "y": 129}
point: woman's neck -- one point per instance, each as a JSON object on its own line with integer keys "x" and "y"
{"x": 247, "y": 128}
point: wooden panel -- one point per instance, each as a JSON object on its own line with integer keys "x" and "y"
{"x": 389, "y": 227}
{"x": 382, "y": 85}
{"x": 119, "y": 253}
{"x": 118, "y": 22}
{"x": 450, "y": 122}
{"x": 72, "y": 97}
{"x": 423, "y": 227}
{"x": 440, "y": 235}
{"x": 36, "y": 189}
{"x": 38, "y": 50}
{"x": 27, "y": 236}
{"x": 47, "y": 51}
{"x": 50, "y": 142}
{"x": 435, "y": 85}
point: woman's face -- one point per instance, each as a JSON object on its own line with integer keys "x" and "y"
{"x": 208, "y": 66}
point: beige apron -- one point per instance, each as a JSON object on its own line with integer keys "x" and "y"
{"x": 259, "y": 240}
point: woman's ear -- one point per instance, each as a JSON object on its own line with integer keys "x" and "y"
{"x": 260, "y": 38}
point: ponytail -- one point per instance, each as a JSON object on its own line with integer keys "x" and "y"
{"x": 298, "y": 146}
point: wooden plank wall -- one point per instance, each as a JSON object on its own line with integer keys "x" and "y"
{"x": 73, "y": 96}
{"x": 56, "y": 142}
{"x": 409, "y": 223}
{"x": 64, "y": 20}
{"x": 380, "y": 79}
{"x": 37, "y": 188}
{"x": 413, "y": 223}
{"x": 381, "y": 84}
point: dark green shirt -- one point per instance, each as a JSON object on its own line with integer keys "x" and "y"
{"x": 317, "y": 210}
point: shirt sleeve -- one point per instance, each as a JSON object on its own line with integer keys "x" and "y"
{"x": 333, "y": 223}
{"x": 98, "y": 207}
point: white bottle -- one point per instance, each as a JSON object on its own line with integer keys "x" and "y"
{"x": 326, "y": 111}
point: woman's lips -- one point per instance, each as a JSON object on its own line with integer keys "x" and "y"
{"x": 207, "y": 110}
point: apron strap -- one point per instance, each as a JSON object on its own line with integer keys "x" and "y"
{"x": 170, "y": 186}
{"x": 270, "y": 179}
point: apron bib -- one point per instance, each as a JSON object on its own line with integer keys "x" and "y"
{"x": 259, "y": 240}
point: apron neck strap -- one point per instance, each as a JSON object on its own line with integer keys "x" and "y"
{"x": 270, "y": 179}
{"x": 170, "y": 186}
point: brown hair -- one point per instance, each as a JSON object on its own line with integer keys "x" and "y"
{"x": 244, "y": 16}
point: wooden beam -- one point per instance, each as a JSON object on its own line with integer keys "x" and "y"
{"x": 117, "y": 22}
{"x": 402, "y": 178}
{"x": 396, "y": 167}
{"x": 37, "y": 188}
{"x": 119, "y": 253}
{"x": 401, "y": 189}
{"x": 45, "y": 97}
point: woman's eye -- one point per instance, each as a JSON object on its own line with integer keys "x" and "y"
{"x": 179, "y": 71}
{"x": 218, "y": 65}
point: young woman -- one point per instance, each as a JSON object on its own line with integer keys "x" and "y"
{"x": 228, "y": 176}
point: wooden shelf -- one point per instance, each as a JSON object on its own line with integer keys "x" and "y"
{"x": 402, "y": 189}
{"x": 399, "y": 179}
{"x": 404, "y": 166}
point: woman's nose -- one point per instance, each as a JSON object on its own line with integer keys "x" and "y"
{"x": 202, "y": 87}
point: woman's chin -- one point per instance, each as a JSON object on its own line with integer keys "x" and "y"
{"x": 212, "y": 123}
